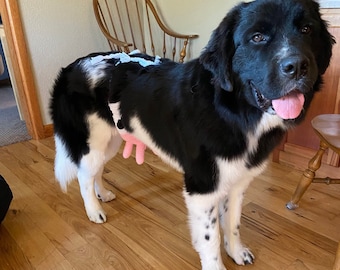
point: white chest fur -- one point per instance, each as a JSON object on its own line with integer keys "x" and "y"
{"x": 235, "y": 173}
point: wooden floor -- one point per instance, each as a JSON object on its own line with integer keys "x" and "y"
{"x": 147, "y": 224}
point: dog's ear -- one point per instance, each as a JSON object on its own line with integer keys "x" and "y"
{"x": 327, "y": 42}
{"x": 217, "y": 55}
{"x": 326, "y": 48}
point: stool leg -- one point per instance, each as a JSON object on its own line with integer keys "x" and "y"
{"x": 307, "y": 177}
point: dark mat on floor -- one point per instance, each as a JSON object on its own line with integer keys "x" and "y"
{"x": 12, "y": 129}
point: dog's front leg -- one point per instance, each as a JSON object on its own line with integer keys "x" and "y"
{"x": 230, "y": 215}
{"x": 204, "y": 227}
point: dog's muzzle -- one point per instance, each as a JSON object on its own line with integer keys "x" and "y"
{"x": 289, "y": 106}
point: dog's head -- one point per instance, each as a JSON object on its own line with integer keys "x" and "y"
{"x": 272, "y": 51}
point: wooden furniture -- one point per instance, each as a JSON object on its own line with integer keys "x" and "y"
{"x": 135, "y": 24}
{"x": 327, "y": 128}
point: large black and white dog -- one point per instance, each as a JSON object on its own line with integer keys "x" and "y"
{"x": 215, "y": 118}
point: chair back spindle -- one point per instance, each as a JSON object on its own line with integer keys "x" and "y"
{"x": 135, "y": 24}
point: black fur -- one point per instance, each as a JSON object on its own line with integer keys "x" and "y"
{"x": 212, "y": 107}
{"x": 204, "y": 108}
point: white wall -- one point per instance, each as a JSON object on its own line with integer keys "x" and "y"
{"x": 194, "y": 17}
{"x": 59, "y": 31}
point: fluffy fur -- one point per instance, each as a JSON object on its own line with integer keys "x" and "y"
{"x": 213, "y": 118}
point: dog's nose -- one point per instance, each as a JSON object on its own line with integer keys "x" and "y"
{"x": 294, "y": 66}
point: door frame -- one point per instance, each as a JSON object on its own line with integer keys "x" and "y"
{"x": 22, "y": 69}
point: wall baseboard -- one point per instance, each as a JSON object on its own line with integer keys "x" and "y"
{"x": 48, "y": 130}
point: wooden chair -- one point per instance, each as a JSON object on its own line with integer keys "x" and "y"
{"x": 327, "y": 127}
{"x": 135, "y": 24}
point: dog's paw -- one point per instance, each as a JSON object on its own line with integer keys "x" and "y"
{"x": 213, "y": 266}
{"x": 243, "y": 256}
{"x": 97, "y": 216}
{"x": 106, "y": 195}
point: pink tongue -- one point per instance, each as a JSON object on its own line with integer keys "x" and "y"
{"x": 289, "y": 106}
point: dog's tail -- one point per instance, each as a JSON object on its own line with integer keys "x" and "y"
{"x": 65, "y": 169}
{"x": 73, "y": 98}
{"x": 81, "y": 89}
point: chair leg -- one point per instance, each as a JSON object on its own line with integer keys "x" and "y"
{"x": 307, "y": 177}
{"x": 337, "y": 259}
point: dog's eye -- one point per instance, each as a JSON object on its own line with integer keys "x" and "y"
{"x": 258, "y": 38}
{"x": 306, "y": 29}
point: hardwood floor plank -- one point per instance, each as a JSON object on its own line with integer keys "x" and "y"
{"x": 291, "y": 240}
{"x": 147, "y": 222}
{"x": 321, "y": 202}
{"x": 37, "y": 229}
{"x": 162, "y": 193}
{"x": 150, "y": 243}
{"x": 12, "y": 257}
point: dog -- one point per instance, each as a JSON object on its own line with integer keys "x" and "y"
{"x": 215, "y": 118}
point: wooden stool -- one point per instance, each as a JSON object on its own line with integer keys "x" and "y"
{"x": 327, "y": 127}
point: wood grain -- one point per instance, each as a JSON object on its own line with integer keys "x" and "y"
{"x": 147, "y": 223}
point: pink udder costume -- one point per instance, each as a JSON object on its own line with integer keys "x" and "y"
{"x": 129, "y": 139}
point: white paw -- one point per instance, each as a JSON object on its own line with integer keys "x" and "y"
{"x": 213, "y": 266}
{"x": 242, "y": 256}
{"x": 105, "y": 195}
{"x": 214, "y": 263}
{"x": 96, "y": 215}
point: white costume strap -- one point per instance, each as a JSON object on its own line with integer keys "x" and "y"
{"x": 123, "y": 57}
